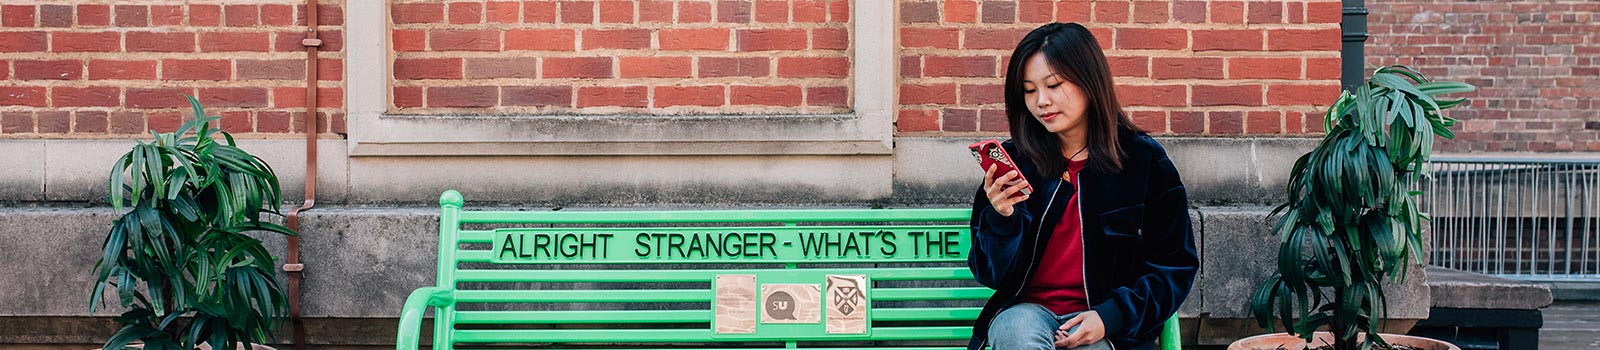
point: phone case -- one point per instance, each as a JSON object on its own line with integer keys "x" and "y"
{"x": 989, "y": 152}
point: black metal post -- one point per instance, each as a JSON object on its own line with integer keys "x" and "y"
{"x": 1352, "y": 57}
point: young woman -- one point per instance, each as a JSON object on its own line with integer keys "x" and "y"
{"x": 1101, "y": 253}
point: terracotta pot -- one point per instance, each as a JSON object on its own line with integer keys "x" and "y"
{"x": 207, "y": 346}
{"x": 1288, "y": 342}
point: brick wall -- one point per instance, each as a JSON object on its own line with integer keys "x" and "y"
{"x": 621, "y": 57}
{"x": 1536, "y": 65}
{"x": 1182, "y": 67}
{"x": 90, "y": 69}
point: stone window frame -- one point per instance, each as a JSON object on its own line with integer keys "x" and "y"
{"x": 867, "y": 130}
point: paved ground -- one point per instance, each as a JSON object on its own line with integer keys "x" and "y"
{"x": 1571, "y": 325}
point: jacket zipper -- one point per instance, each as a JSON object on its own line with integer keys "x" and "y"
{"x": 1033, "y": 254}
{"x": 1083, "y": 243}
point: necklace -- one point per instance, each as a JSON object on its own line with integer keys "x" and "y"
{"x": 1075, "y": 154}
{"x": 1068, "y": 174}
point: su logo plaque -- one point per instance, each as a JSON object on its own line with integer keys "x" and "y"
{"x": 791, "y": 303}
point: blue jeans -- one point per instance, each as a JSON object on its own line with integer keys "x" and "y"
{"x": 1027, "y": 326}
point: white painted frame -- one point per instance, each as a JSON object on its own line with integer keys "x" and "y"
{"x": 867, "y": 130}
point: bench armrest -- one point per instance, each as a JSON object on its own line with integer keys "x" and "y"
{"x": 411, "y": 315}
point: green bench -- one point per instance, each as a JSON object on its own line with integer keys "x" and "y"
{"x": 837, "y": 279}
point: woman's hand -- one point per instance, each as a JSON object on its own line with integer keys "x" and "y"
{"x": 1090, "y": 329}
{"x": 1000, "y": 190}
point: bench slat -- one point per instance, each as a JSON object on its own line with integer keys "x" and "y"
{"x": 926, "y": 314}
{"x": 685, "y": 335}
{"x": 881, "y": 294}
{"x": 875, "y": 274}
{"x": 715, "y": 216}
{"x": 583, "y": 296}
{"x": 585, "y": 316}
{"x": 771, "y": 348}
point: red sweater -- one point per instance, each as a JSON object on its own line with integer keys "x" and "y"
{"x": 1058, "y": 283}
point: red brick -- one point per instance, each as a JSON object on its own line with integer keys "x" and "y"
{"x": 132, "y": 16}
{"x": 278, "y": 15}
{"x": 97, "y": 96}
{"x": 94, "y": 15}
{"x": 33, "y": 96}
{"x": 234, "y": 97}
{"x": 810, "y": 11}
{"x": 241, "y": 15}
{"x": 1265, "y": 12}
{"x": 1188, "y": 122}
{"x": 504, "y": 11}
{"x": 1227, "y": 95}
{"x": 1264, "y": 68}
{"x": 466, "y": 12}
{"x": 772, "y": 11}
{"x": 831, "y": 96}
{"x": 427, "y": 68}
{"x": 123, "y": 70}
{"x": 539, "y": 11}
{"x": 1225, "y": 123}
{"x": 463, "y": 96}
{"x": 993, "y": 120}
{"x": 960, "y": 11}
{"x": 839, "y": 11}
{"x": 959, "y": 120}
{"x": 235, "y": 41}
{"x": 1320, "y": 95}
{"x": 999, "y": 39}
{"x": 911, "y": 66}
{"x": 694, "y": 12}
{"x": 618, "y": 96}
{"x": 830, "y": 39}
{"x": 1151, "y": 39}
{"x": 1111, "y": 11}
{"x": 1263, "y": 122}
{"x": 1035, "y": 11}
{"x": 56, "y": 16}
{"x": 1324, "y": 12}
{"x": 130, "y": 122}
{"x": 694, "y": 39}
{"x": 941, "y": 38}
{"x": 237, "y": 122}
{"x": 65, "y": 41}
{"x": 976, "y": 94}
{"x": 464, "y": 40}
{"x": 16, "y": 123}
{"x": 540, "y": 96}
{"x": 656, "y": 67}
{"x": 408, "y": 13}
{"x": 917, "y": 120}
{"x": 1129, "y": 66}
{"x": 172, "y": 69}
{"x": 277, "y": 121}
{"x": 967, "y": 66}
{"x": 49, "y": 70}
{"x": 1154, "y": 122}
{"x": 1189, "y": 12}
{"x": 1074, "y": 11}
{"x": 766, "y": 95}
{"x": 813, "y": 67}
{"x": 1102, "y": 36}
{"x": 157, "y": 97}
{"x": 24, "y": 41}
{"x": 1152, "y": 95}
{"x": 159, "y": 42}
{"x": 716, "y": 67}
{"x": 916, "y": 94}
{"x": 733, "y": 11}
{"x": 411, "y": 40}
{"x": 542, "y": 39}
{"x": 167, "y": 15}
{"x": 577, "y": 12}
{"x": 501, "y": 67}
{"x": 199, "y": 15}
{"x": 772, "y": 39}
{"x": 668, "y": 96}
{"x": 1186, "y": 68}
{"x": 54, "y": 122}
{"x": 616, "y": 11}
{"x": 999, "y": 12}
{"x": 616, "y": 39}
{"x": 1328, "y": 68}
{"x": 1150, "y": 12}
{"x": 577, "y": 67}
{"x": 1226, "y": 12}
{"x": 330, "y": 69}
{"x": 1297, "y": 12}
{"x": 330, "y": 98}
{"x": 1228, "y": 40}
{"x": 1303, "y": 39}
{"x": 656, "y": 11}
{"x": 404, "y": 97}
{"x": 88, "y": 121}
{"x": 1294, "y": 122}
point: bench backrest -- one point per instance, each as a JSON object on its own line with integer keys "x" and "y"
{"x": 654, "y": 279}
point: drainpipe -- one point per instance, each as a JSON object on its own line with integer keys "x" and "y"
{"x": 293, "y": 267}
{"x": 1351, "y": 55}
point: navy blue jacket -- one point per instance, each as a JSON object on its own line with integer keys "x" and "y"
{"x": 1138, "y": 245}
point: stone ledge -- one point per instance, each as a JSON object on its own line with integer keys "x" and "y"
{"x": 1466, "y": 290}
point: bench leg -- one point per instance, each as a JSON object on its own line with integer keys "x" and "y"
{"x": 1519, "y": 339}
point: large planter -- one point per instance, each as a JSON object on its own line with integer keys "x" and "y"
{"x": 1285, "y": 341}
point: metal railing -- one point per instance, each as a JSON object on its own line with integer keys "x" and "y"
{"x": 1529, "y": 218}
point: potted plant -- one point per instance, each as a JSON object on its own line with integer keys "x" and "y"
{"x": 1352, "y": 220}
{"x": 180, "y": 259}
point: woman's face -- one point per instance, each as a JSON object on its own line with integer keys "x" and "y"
{"x": 1055, "y": 102}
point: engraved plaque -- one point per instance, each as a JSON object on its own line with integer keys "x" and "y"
{"x": 736, "y": 304}
{"x": 847, "y": 304}
{"x": 791, "y": 303}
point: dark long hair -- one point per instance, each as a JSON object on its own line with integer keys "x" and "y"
{"x": 1072, "y": 52}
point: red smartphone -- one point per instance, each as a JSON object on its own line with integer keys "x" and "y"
{"x": 989, "y": 152}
